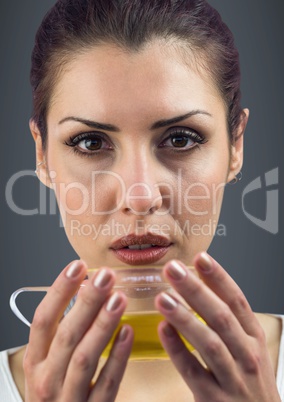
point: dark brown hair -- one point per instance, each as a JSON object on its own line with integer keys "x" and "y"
{"x": 72, "y": 26}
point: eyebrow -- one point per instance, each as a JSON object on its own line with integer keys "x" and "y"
{"x": 90, "y": 123}
{"x": 177, "y": 119}
{"x": 155, "y": 126}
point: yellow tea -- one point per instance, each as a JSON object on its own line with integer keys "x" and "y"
{"x": 146, "y": 345}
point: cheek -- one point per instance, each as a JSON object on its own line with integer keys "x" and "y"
{"x": 98, "y": 193}
{"x": 72, "y": 197}
{"x": 73, "y": 202}
{"x": 197, "y": 220}
{"x": 202, "y": 191}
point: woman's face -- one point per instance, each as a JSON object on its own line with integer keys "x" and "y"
{"x": 138, "y": 155}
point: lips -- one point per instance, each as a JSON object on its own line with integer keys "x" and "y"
{"x": 139, "y": 250}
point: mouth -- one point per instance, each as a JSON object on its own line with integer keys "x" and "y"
{"x": 140, "y": 250}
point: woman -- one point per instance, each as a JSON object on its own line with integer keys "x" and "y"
{"x": 138, "y": 126}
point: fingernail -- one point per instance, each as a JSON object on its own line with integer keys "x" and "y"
{"x": 205, "y": 262}
{"x": 168, "y": 330}
{"x": 122, "y": 334}
{"x": 74, "y": 269}
{"x": 167, "y": 301}
{"x": 114, "y": 302}
{"x": 176, "y": 271}
{"x": 102, "y": 278}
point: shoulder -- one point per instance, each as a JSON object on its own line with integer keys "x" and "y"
{"x": 272, "y": 326}
{"x": 8, "y": 389}
{"x": 273, "y": 329}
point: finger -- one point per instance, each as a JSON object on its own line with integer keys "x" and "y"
{"x": 85, "y": 358}
{"x": 72, "y": 329}
{"x": 211, "y": 348}
{"x": 194, "y": 374}
{"x": 109, "y": 379}
{"x": 217, "y": 279}
{"x": 210, "y": 307}
{"x": 51, "y": 309}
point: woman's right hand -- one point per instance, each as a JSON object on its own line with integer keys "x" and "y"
{"x": 62, "y": 355}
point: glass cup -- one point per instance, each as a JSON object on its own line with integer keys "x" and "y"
{"x": 140, "y": 285}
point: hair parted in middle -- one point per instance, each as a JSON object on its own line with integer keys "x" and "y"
{"x": 194, "y": 26}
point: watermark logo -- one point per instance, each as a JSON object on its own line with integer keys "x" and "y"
{"x": 182, "y": 197}
{"x": 271, "y": 221}
{"x": 196, "y": 198}
{"x": 116, "y": 229}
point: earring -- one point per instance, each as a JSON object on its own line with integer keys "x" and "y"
{"x": 237, "y": 178}
{"x": 39, "y": 164}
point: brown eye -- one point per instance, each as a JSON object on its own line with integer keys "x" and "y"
{"x": 181, "y": 141}
{"x": 91, "y": 144}
{"x": 178, "y": 141}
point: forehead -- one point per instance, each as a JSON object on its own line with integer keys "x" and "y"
{"x": 108, "y": 80}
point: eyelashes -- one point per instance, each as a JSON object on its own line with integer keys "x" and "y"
{"x": 177, "y": 139}
{"x": 181, "y": 138}
{"x": 89, "y": 143}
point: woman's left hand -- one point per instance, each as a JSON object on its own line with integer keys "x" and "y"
{"x": 232, "y": 344}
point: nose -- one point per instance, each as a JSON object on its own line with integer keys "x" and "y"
{"x": 140, "y": 174}
{"x": 142, "y": 199}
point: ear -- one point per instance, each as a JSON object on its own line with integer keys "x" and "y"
{"x": 42, "y": 171}
{"x": 237, "y": 149}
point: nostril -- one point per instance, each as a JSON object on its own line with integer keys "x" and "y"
{"x": 140, "y": 212}
{"x": 144, "y": 207}
{"x": 153, "y": 209}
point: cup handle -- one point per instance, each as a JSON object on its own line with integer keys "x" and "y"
{"x": 14, "y": 296}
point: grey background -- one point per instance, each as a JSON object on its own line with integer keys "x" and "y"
{"x": 34, "y": 248}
